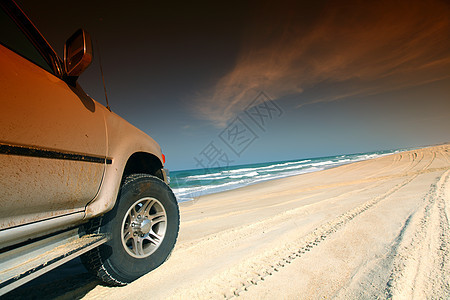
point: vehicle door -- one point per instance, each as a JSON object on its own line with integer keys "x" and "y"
{"x": 52, "y": 136}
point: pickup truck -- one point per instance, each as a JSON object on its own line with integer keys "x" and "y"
{"x": 75, "y": 178}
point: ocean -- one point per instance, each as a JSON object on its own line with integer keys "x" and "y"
{"x": 189, "y": 184}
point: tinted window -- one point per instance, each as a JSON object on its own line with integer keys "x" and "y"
{"x": 13, "y": 38}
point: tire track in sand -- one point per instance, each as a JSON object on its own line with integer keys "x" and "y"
{"x": 244, "y": 275}
{"x": 421, "y": 264}
{"x": 231, "y": 235}
{"x": 321, "y": 233}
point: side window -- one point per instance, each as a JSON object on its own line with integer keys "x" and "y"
{"x": 12, "y": 37}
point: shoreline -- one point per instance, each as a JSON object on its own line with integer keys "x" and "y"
{"x": 292, "y": 176}
{"x": 306, "y": 171}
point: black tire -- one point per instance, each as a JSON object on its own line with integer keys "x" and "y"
{"x": 119, "y": 261}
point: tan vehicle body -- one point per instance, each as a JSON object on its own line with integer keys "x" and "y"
{"x": 63, "y": 160}
{"x": 40, "y": 112}
{"x": 123, "y": 140}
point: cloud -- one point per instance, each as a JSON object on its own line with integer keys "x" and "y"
{"x": 289, "y": 49}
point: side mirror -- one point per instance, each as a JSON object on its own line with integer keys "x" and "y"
{"x": 77, "y": 53}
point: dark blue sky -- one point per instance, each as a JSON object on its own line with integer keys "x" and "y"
{"x": 340, "y": 77}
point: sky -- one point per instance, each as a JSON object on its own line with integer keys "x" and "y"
{"x": 235, "y": 82}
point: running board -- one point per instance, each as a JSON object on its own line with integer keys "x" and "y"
{"x": 23, "y": 264}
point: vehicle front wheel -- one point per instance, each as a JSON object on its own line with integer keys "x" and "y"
{"x": 144, "y": 227}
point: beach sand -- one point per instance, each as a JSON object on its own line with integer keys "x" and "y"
{"x": 371, "y": 229}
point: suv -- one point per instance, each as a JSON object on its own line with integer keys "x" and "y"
{"x": 75, "y": 178}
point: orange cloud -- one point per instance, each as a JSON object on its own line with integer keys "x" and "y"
{"x": 382, "y": 45}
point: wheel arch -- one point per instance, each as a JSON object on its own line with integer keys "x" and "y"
{"x": 143, "y": 162}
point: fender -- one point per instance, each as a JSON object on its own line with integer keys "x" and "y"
{"x": 123, "y": 140}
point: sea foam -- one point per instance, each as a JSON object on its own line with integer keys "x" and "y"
{"x": 189, "y": 184}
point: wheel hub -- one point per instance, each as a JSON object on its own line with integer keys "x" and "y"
{"x": 144, "y": 227}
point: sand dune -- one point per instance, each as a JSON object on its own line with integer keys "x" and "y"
{"x": 371, "y": 229}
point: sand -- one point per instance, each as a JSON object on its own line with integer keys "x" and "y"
{"x": 371, "y": 229}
